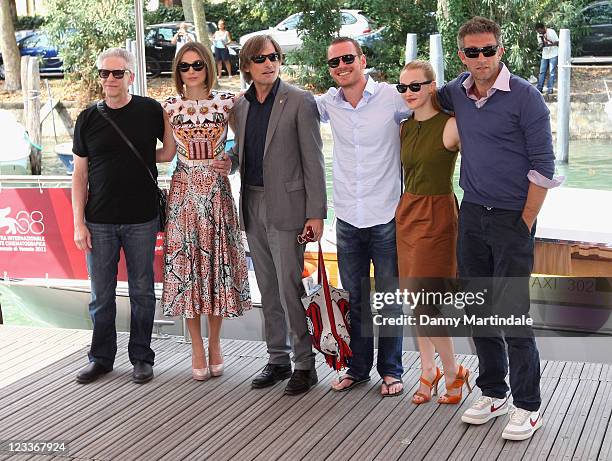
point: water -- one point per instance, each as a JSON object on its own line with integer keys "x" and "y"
{"x": 590, "y": 167}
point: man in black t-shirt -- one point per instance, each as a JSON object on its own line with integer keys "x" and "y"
{"x": 114, "y": 204}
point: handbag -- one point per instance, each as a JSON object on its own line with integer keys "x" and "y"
{"x": 328, "y": 319}
{"x": 162, "y": 194}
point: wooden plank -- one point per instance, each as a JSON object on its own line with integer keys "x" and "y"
{"x": 553, "y": 416}
{"x": 250, "y": 415}
{"x": 592, "y": 371}
{"x": 571, "y": 430}
{"x": 416, "y": 436}
{"x": 594, "y": 431}
{"x": 86, "y": 416}
{"x": 26, "y": 418}
{"x": 104, "y": 432}
{"x": 327, "y": 423}
{"x": 179, "y": 421}
{"x": 367, "y": 410}
{"x": 485, "y": 440}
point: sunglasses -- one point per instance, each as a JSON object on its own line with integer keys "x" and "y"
{"x": 308, "y": 237}
{"x": 414, "y": 87}
{"x": 487, "y": 51}
{"x": 197, "y": 66}
{"x": 346, "y": 59}
{"x": 117, "y": 73}
{"x": 261, "y": 58}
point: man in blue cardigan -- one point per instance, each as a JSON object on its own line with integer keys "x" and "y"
{"x": 507, "y": 166}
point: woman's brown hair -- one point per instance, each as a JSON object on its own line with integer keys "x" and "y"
{"x": 211, "y": 75}
{"x": 430, "y": 74}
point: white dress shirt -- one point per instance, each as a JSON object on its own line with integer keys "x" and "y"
{"x": 366, "y": 167}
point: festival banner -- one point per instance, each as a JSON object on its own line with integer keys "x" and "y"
{"x": 37, "y": 237}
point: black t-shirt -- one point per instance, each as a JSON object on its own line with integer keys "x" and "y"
{"x": 120, "y": 190}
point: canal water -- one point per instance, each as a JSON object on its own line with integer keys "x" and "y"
{"x": 590, "y": 167}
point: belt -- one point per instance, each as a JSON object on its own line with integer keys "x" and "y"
{"x": 188, "y": 162}
{"x": 254, "y": 188}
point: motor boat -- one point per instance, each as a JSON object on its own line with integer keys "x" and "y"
{"x": 15, "y": 150}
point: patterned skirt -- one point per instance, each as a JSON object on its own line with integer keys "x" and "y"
{"x": 205, "y": 266}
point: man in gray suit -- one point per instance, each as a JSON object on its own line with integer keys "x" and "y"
{"x": 278, "y": 147}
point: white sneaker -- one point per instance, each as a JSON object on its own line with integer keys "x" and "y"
{"x": 485, "y": 409}
{"x": 522, "y": 424}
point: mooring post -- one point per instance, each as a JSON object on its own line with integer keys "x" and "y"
{"x": 33, "y": 115}
{"x": 436, "y": 57}
{"x": 411, "y": 48}
{"x": 563, "y": 96}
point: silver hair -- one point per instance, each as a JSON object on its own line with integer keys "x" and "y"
{"x": 122, "y": 53}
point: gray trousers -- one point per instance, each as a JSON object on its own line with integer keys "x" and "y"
{"x": 278, "y": 261}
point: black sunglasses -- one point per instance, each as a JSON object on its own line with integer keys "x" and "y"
{"x": 260, "y": 58}
{"x": 487, "y": 51}
{"x": 414, "y": 87}
{"x": 346, "y": 59}
{"x": 197, "y": 66}
{"x": 117, "y": 73}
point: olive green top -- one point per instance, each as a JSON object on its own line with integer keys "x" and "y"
{"x": 428, "y": 165}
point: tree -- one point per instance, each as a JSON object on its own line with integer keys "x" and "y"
{"x": 9, "y": 48}
{"x": 319, "y": 25}
{"x": 199, "y": 20}
{"x": 82, "y": 29}
{"x": 517, "y": 19}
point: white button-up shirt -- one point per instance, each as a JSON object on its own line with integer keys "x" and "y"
{"x": 366, "y": 166}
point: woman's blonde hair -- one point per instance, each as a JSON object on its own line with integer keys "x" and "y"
{"x": 430, "y": 74}
{"x": 206, "y": 56}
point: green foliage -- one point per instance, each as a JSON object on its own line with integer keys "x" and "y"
{"x": 244, "y": 16}
{"x": 399, "y": 19}
{"x": 82, "y": 29}
{"x": 517, "y": 19}
{"x": 319, "y": 25}
{"x": 164, "y": 14}
{"x": 29, "y": 22}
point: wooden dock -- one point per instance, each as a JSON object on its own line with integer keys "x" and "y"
{"x": 176, "y": 418}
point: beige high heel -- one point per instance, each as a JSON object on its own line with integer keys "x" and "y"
{"x": 200, "y": 374}
{"x": 215, "y": 370}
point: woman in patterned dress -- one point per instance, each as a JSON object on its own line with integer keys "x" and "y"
{"x": 205, "y": 266}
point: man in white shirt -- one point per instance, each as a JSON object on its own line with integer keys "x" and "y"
{"x": 548, "y": 42}
{"x": 365, "y": 117}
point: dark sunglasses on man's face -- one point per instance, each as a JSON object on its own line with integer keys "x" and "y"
{"x": 346, "y": 59}
{"x": 197, "y": 66}
{"x": 414, "y": 87}
{"x": 117, "y": 73}
{"x": 487, "y": 51}
{"x": 260, "y": 58}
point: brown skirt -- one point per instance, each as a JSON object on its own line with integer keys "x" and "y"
{"x": 426, "y": 233}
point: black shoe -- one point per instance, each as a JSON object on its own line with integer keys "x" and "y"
{"x": 301, "y": 381}
{"x": 91, "y": 372}
{"x": 270, "y": 375}
{"x": 143, "y": 372}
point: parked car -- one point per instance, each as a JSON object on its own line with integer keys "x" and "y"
{"x": 159, "y": 50}
{"x": 353, "y": 23}
{"x": 598, "y": 41}
{"x": 36, "y": 43}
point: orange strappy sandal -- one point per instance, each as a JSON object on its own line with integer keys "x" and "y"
{"x": 431, "y": 385}
{"x": 463, "y": 377}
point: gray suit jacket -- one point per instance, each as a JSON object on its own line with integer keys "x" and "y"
{"x": 293, "y": 166}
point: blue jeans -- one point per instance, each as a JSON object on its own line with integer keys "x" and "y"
{"x": 138, "y": 244}
{"x": 356, "y": 248}
{"x": 551, "y": 66}
{"x": 497, "y": 243}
